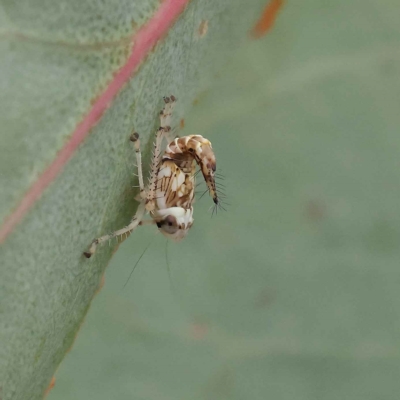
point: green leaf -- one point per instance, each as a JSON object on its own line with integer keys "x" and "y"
{"x": 293, "y": 294}
{"x": 58, "y": 58}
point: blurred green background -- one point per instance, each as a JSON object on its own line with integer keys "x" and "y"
{"x": 293, "y": 293}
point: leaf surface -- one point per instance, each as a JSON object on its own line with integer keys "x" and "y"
{"x": 72, "y": 91}
{"x": 294, "y": 292}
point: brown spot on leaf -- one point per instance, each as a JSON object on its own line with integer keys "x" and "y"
{"x": 134, "y": 137}
{"x": 203, "y": 28}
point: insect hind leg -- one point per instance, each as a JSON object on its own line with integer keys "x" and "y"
{"x": 164, "y": 131}
{"x": 119, "y": 233}
{"x": 140, "y": 211}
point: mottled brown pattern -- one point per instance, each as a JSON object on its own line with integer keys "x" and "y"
{"x": 169, "y": 195}
{"x": 186, "y": 150}
{"x": 166, "y": 183}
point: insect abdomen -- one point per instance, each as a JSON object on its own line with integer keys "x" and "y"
{"x": 195, "y": 147}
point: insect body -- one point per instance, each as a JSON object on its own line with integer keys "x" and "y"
{"x": 169, "y": 196}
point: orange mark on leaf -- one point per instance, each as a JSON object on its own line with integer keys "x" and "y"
{"x": 51, "y": 385}
{"x": 182, "y": 123}
{"x": 101, "y": 284}
{"x": 267, "y": 19}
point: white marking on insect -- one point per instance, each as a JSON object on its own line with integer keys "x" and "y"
{"x": 169, "y": 196}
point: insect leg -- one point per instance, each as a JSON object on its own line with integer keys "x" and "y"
{"x": 166, "y": 112}
{"x": 128, "y": 229}
{"x": 147, "y": 222}
{"x": 162, "y": 132}
{"x": 136, "y": 141}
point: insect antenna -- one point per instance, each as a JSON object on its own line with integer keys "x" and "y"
{"x": 193, "y": 178}
{"x": 168, "y": 267}
{"x": 201, "y": 189}
{"x": 217, "y": 207}
{"x": 206, "y": 191}
{"x": 200, "y": 183}
{"x": 222, "y": 199}
{"x": 196, "y": 173}
{"x": 220, "y": 189}
{"x": 137, "y": 262}
{"x": 221, "y": 207}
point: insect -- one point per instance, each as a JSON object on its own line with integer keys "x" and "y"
{"x": 169, "y": 195}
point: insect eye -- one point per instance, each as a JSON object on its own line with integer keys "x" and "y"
{"x": 168, "y": 225}
{"x": 191, "y": 150}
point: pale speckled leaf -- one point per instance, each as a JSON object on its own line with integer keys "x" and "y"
{"x": 74, "y": 21}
